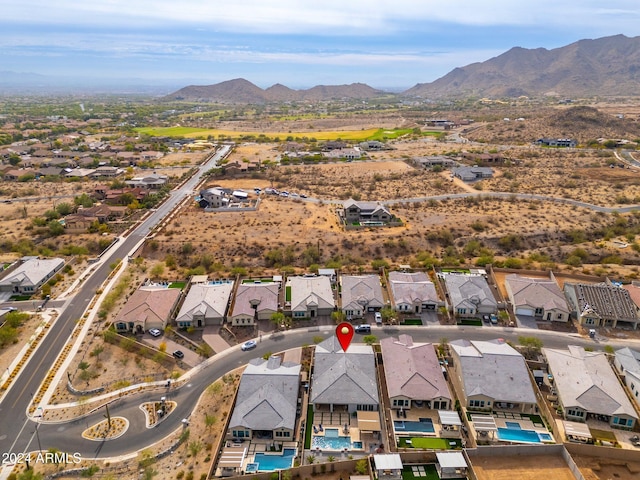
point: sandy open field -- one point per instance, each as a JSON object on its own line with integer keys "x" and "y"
{"x": 521, "y": 468}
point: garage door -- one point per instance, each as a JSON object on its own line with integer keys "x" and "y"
{"x": 524, "y": 311}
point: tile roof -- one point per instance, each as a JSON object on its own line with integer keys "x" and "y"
{"x": 360, "y": 292}
{"x": 537, "y": 293}
{"x": 149, "y": 304}
{"x": 493, "y": 369}
{"x": 410, "y": 288}
{"x": 266, "y": 293}
{"x": 472, "y": 290}
{"x": 267, "y": 396}
{"x": 586, "y": 380}
{"x": 32, "y": 272}
{"x": 310, "y": 291}
{"x": 208, "y": 300}
{"x": 411, "y": 370}
{"x": 344, "y": 377}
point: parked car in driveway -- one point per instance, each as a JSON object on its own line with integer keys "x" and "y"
{"x": 494, "y": 319}
{"x": 154, "y": 332}
{"x": 486, "y": 319}
{"x": 249, "y": 345}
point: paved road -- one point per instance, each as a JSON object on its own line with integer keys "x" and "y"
{"x": 14, "y": 424}
{"x": 138, "y": 436}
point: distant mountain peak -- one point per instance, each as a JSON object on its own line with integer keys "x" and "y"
{"x": 242, "y": 91}
{"x": 603, "y": 66}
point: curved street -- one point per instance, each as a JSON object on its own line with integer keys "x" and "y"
{"x": 138, "y": 436}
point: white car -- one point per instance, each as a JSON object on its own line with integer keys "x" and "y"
{"x": 154, "y": 332}
{"x": 250, "y": 345}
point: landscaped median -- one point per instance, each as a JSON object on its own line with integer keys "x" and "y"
{"x": 109, "y": 429}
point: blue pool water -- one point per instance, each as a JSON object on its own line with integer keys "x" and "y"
{"x": 331, "y": 443}
{"x": 331, "y": 432}
{"x": 425, "y": 425}
{"x": 513, "y": 425}
{"x": 522, "y": 436}
{"x": 269, "y": 463}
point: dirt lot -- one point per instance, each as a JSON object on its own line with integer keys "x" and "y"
{"x": 604, "y": 469}
{"x": 521, "y": 468}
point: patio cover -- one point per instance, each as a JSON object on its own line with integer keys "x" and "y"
{"x": 449, "y": 417}
{"x": 576, "y": 429}
{"x": 369, "y": 421}
{"x": 388, "y": 461}
{"x": 484, "y": 423}
{"x": 232, "y": 457}
{"x": 451, "y": 460}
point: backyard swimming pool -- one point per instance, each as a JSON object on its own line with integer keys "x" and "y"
{"x": 270, "y": 462}
{"x": 425, "y": 425}
{"x": 522, "y": 436}
{"x": 333, "y": 441}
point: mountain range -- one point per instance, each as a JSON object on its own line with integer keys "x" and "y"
{"x": 605, "y": 66}
{"x": 243, "y": 91}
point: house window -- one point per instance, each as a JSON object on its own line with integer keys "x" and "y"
{"x": 476, "y": 403}
{"x": 299, "y": 314}
{"x": 589, "y": 321}
{"x": 539, "y": 311}
{"x": 184, "y": 324}
{"x": 462, "y": 311}
{"x": 559, "y": 316}
{"x": 400, "y": 403}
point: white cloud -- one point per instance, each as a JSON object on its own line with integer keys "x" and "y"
{"x": 328, "y": 17}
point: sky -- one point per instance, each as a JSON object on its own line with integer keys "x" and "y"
{"x": 299, "y": 43}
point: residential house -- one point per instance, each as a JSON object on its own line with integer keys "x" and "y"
{"x": 373, "y": 145}
{"x": 254, "y": 302}
{"x": 51, "y": 172}
{"x": 309, "y": 297}
{"x": 147, "y": 308}
{"x": 627, "y": 363}
{"x": 76, "y": 223}
{"x": 365, "y": 213}
{"x": 215, "y": 197}
{"x": 587, "y": 387}
{"x": 492, "y": 375}
{"x": 348, "y": 153}
{"x": 123, "y": 196}
{"x": 483, "y": 158}
{"x": 15, "y": 174}
{"x": 205, "y": 304}
{"x": 414, "y": 375}
{"x": 537, "y": 297}
{"x": 30, "y": 275}
{"x": 344, "y": 381}
{"x": 602, "y": 304}
{"x": 103, "y": 213}
{"x": 471, "y": 174}
{"x": 266, "y": 402}
{"x": 413, "y": 292}
{"x": 433, "y": 161}
{"x": 106, "y": 172}
{"x": 469, "y": 295}
{"x": 360, "y": 294}
{"x": 152, "y": 181}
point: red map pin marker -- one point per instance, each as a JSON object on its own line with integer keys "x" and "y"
{"x": 344, "y": 332}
